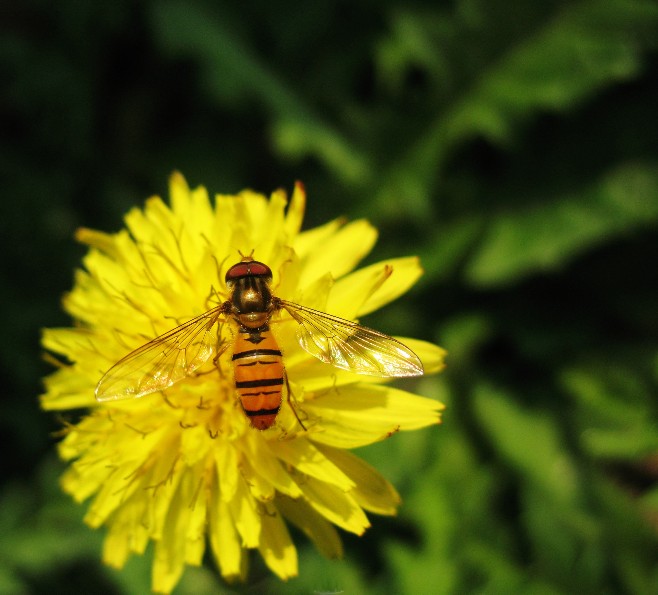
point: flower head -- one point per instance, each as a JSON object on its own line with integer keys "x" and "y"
{"x": 183, "y": 466}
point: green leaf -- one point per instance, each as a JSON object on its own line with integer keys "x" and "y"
{"x": 235, "y": 74}
{"x": 545, "y": 236}
{"x": 527, "y": 440}
{"x": 614, "y": 408}
{"x": 581, "y": 50}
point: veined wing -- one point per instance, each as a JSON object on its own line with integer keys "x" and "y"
{"x": 162, "y": 361}
{"x": 350, "y": 346}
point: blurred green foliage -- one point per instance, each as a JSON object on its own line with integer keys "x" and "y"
{"x": 512, "y": 144}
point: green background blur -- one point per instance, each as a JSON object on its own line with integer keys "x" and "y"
{"x": 512, "y": 144}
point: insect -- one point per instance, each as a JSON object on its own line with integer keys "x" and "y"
{"x": 257, "y": 360}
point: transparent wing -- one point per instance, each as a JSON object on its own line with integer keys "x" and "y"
{"x": 162, "y": 361}
{"x": 349, "y": 346}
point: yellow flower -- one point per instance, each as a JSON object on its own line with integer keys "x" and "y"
{"x": 183, "y": 463}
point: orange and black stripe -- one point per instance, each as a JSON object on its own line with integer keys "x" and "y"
{"x": 258, "y": 371}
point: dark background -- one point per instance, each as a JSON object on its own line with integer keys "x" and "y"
{"x": 513, "y": 145}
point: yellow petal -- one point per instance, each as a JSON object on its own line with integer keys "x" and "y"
{"x": 313, "y": 525}
{"x": 162, "y": 484}
{"x": 112, "y": 494}
{"x": 115, "y": 546}
{"x": 266, "y": 464}
{"x": 259, "y": 487}
{"x": 192, "y": 206}
{"x": 335, "y": 505}
{"x": 372, "y": 491}
{"x": 340, "y": 253}
{"x": 276, "y": 547}
{"x": 75, "y": 343}
{"x": 372, "y": 287}
{"x": 227, "y": 471}
{"x": 164, "y": 576}
{"x": 67, "y": 388}
{"x": 179, "y": 193}
{"x": 314, "y": 239}
{"x": 199, "y": 478}
{"x": 246, "y": 516}
{"x": 295, "y": 214}
{"x": 171, "y": 549}
{"x": 254, "y": 209}
{"x": 127, "y": 533}
{"x": 303, "y": 456}
{"x": 432, "y": 356}
{"x": 194, "y": 209}
{"x": 105, "y": 242}
{"x": 267, "y": 232}
{"x": 145, "y": 224}
{"x": 80, "y": 440}
{"x": 315, "y": 377}
{"x": 225, "y": 541}
{"x": 368, "y": 413}
{"x": 314, "y": 295}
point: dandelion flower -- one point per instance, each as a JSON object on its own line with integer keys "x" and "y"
{"x": 182, "y": 467}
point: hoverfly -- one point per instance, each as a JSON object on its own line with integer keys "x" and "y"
{"x": 258, "y": 366}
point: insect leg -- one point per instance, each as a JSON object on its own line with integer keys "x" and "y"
{"x": 220, "y": 350}
{"x": 290, "y": 399}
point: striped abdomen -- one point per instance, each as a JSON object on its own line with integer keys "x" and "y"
{"x": 258, "y": 370}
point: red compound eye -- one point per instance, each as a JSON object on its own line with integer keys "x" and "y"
{"x": 259, "y": 269}
{"x": 249, "y": 268}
